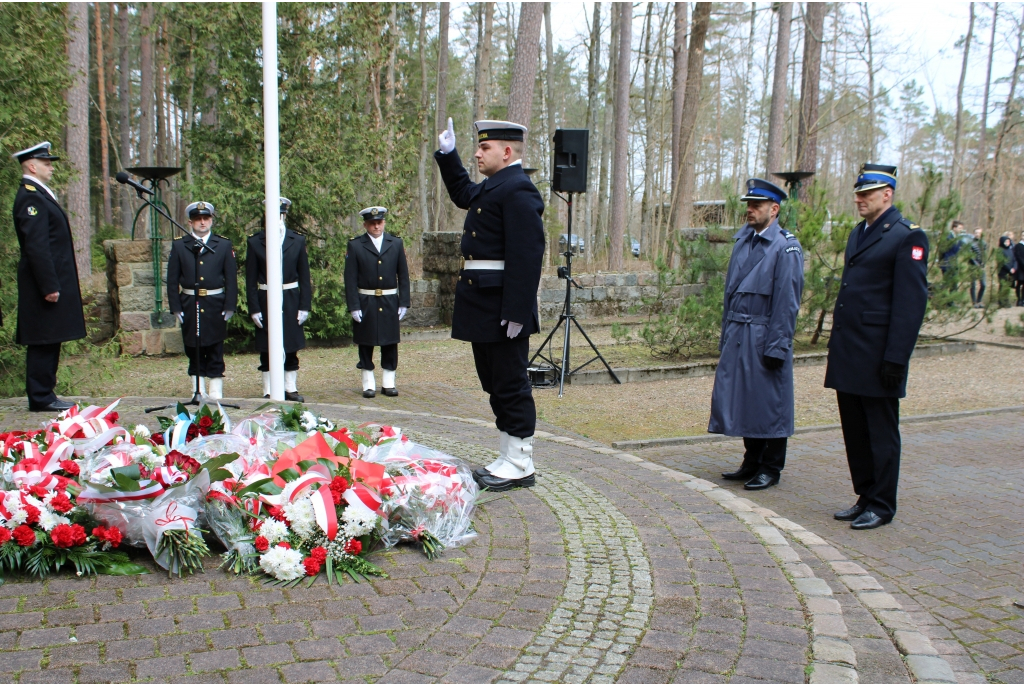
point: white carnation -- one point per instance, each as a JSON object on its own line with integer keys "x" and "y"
{"x": 283, "y": 564}
{"x": 140, "y": 431}
{"x": 273, "y": 530}
{"x": 308, "y": 420}
{"x": 49, "y": 519}
{"x": 358, "y": 521}
{"x": 301, "y": 516}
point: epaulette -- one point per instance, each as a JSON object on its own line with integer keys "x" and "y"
{"x": 30, "y": 188}
{"x": 789, "y": 236}
{"x": 912, "y": 225}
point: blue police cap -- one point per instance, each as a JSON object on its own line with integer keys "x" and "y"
{"x": 374, "y": 213}
{"x": 760, "y": 189}
{"x": 874, "y": 176}
{"x": 40, "y": 151}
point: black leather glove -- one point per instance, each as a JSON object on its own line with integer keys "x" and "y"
{"x": 893, "y": 375}
{"x": 773, "y": 363}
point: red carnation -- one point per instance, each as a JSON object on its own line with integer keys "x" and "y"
{"x": 285, "y": 545}
{"x": 353, "y": 547}
{"x": 33, "y": 515}
{"x": 5, "y": 535}
{"x": 62, "y": 535}
{"x": 339, "y": 484}
{"x": 61, "y": 504}
{"x": 278, "y": 513}
{"x": 205, "y": 421}
{"x": 39, "y": 491}
{"x": 312, "y": 566}
{"x": 24, "y": 536}
{"x": 70, "y": 467}
{"x": 157, "y": 438}
{"x": 110, "y": 536}
{"x": 318, "y": 553}
{"x": 261, "y": 544}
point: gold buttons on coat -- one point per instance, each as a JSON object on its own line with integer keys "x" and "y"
{"x": 380, "y": 278}
{"x": 202, "y": 278}
{"x": 380, "y": 309}
{"x": 471, "y": 282}
{"x": 478, "y": 210}
{"x": 469, "y": 257}
{"x": 200, "y": 262}
{"x": 474, "y": 234}
{"x": 378, "y": 261}
{"x": 202, "y": 311}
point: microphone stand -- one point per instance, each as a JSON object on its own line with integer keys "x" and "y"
{"x": 197, "y": 247}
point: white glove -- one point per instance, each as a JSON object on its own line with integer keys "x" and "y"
{"x": 402, "y": 312}
{"x": 181, "y": 317}
{"x": 357, "y": 315}
{"x": 257, "y": 319}
{"x": 447, "y": 138}
{"x": 513, "y": 328}
{"x": 228, "y": 315}
{"x": 303, "y": 316}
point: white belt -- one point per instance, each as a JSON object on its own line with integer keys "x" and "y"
{"x": 486, "y": 264}
{"x": 378, "y": 292}
{"x": 203, "y": 292}
{"x": 286, "y": 286}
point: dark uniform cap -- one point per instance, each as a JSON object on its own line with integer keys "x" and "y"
{"x": 499, "y": 130}
{"x": 199, "y": 209}
{"x": 760, "y": 189}
{"x": 40, "y": 151}
{"x": 373, "y": 213}
{"x": 875, "y": 176}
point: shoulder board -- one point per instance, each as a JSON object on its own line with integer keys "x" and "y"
{"x": 790, "y": 236}
{"x": 30, "y": 188}
{"x": 355, "y": 237}
{"x": 793, "y": 248}
{"x": 913, "y": 226}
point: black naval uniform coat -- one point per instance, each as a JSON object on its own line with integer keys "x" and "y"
{"x": 216, "y": 270}
{"x": 47, "y": 265}
{"x": 368, "y": 269}
{"x": 294, "y": 269}
{"x": 504, "y": 223}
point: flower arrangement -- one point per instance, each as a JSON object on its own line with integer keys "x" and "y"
{"x": 185, "y": 426}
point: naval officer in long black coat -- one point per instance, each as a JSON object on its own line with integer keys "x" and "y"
{"x": 377, "y": 294}
{"x": 49, "y": 299}
{"x": 875, "y": 324}
{"x": 218, "y": 295}
{"x": 496, "y": 295}
{"x": 297, "y": 299}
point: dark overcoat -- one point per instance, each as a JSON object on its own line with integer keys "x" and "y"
{"x": 762, "y": 299}
{"x": 47, "y": 265}
{"x": 294, "y": 269}
{"x": 216, "y": 270}
{"x": 1018, "y": 256}
{"x": 504, "y": 223}
{"x": 881, "y": 305}
{"x": 368, "y": 269}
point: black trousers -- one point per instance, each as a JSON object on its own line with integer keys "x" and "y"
{"x": 871, "y": 430}
{"x": 976, "y": 299}
{"x": 501, "y": 368}
{"x": 41, "y": 374}
{"x": 211, "y": 360}
{"x": 388, "y": 357}
{"x": 767, "y": 455}
{"x": 291, "y": 361}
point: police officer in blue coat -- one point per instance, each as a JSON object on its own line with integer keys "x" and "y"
{"x": 753, "y": 393}
{"x": 875, "y": 323}
{"x": 496, "y": 295}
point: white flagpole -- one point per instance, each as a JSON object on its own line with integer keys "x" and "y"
{"x": 272, "y": 206}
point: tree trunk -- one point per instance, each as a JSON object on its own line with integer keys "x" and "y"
{"x": 650, "y": 130}
{"x": 620, "y": 160}
{"x": 524, "y": 66}
{"x": 78, "y": 136}
{"x": 982, "y": 142}
{"x": 146, "y": 86}
{"x": 549, "y": 77}
{"x": 1005, "y": 124}
{"x": 389, "y": 86}
{"x": 101, "y": 96}
{"x": 607, "y": 137}
{"x": 424, "y": 122}
{"x": 691, "y": 108}
{"x": 870, "y": 58}
{"x": 745, "y": 98}
{"x": 956, "y": 170}
{"x": 807, "y": 135}
{"x": 679, "y": 60}
{"x": 484, "y": 53}
{"x": 593, "y": 75}
{"x": 777, "y": 116}
{"x": 441, "y": 111}
{"x": 124, "y": 105}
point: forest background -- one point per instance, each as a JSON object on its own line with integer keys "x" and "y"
{"x": 684, "y": 101}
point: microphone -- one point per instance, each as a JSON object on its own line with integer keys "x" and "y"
{"x": 123, "y": 179}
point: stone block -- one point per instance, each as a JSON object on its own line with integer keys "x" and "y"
{"x": 812, "y": 587}
{"x": 134, "y": 321}
{"x": 122, "y": 274}
{"x": 135, "y": 298}
{"x": 124, "y": 251}
{"x": 860, "y": 582}
{"x": 829, "y": 625}
{"x": 878, "y": 600}
{"x": 154, "y": 342}
{"x": 913, "y": 642}
{"x": 162, "y": 319}
{"x": 830, "y": 650}
{"x": 142, "y": 275}
{"x": 132, "y": 343}
{"x": 930, "y": 669}
{"x": 831, "y": 673}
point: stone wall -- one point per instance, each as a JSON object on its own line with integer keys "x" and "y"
{"x": 611, "y": 294}
{"x": 131, "y": 287}
{"x": 441, "y": 262}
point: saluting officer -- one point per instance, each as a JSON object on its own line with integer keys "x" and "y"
{"x": 297, "y": 299}
{"x": 877, "y": 317}
{"x": 496, "y": 295}
{"x": 49, "y": 299}
{"x": 377, "y": 292}
{"x": 217, "y": 285}
{"x": 753, "y": 393}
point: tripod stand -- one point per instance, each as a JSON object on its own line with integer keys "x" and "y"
{"x": 563, "y": 366}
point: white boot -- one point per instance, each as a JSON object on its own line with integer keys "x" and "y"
{"x": 291, "y": 379}
{"x": 518, "y": 462}
{"x": 369, "y": 384}
{"x": 502, "y": 451}
{"x": 266, "y": 384}
{"x": 387, "y": 383}
{"x": 202, "y": 384}
{"x": 216, "y": 388}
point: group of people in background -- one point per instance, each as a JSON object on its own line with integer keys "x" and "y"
{"x": 1009, "y": 260}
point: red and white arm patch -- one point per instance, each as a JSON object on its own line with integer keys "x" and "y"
{"x": 917, "y": 253}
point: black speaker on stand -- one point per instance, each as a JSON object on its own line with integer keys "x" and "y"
{"x": 568, "y": 175}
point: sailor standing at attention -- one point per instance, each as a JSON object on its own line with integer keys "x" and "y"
{"x": 496, "y": 295}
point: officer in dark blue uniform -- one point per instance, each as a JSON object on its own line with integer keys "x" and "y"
{"x": 49, "y": 299}
{"x": 877, "y": 317}
{"x": 496, "y": 295}
{"x": 753, "y": 394}
{"x": 217, "y": 295}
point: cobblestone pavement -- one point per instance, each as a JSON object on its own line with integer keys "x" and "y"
{"x": 953, "y": 555}
{"x": 612, "y": 569}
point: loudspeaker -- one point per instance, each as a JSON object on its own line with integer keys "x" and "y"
{"x": 569, "y": 167}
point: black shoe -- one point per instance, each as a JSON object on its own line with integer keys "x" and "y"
{"x": 390, "y": 392}
{"x": 369, "y": 393}
{"x": 293, "y": 397}
{"x": 743, "y": 473}
{"x": 849, "y": 514}
{"x": 868, "y": 520}
{"x": 266, "y": 397}
{"x": 495, "y": 484}
{"x": 761, "y": 481}
{"x": 55, "y": 406}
